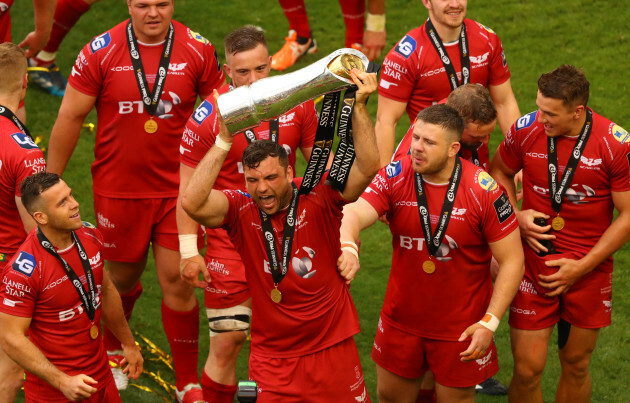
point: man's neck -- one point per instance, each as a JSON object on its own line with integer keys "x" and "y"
{"x": 10, "y": 102}
{"x": 579, "y": 124}
{"x": 59, "y": 239}
{"x": 443, "y": 176}
{"x": 447, "y": 34}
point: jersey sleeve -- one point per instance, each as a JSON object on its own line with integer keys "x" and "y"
{"x": 29, "y": 162}
{"x": 398, "y": 78}
{"x": 212, "y": 76}
{"x": 199, "y": 134}
{"x": 620, "y": 164}
{"x": 309, "y": 125}
{"x": 499, "y": 70}
{"x": 498, "y": 218}
{"x": 378, "y": 193}
{"x": 236, "y": 200}
{"x": 510, "y": 149}
{"x": 86, "y": 75}
{"x": 20, "y": 286}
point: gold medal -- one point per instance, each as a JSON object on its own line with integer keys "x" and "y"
{"x": 557, "y": 223}
{"x": 150, "y": 126}
{"x": 94, "y": 332}
{"x": 428, "y": 266}
{"x": 276, "y": 295}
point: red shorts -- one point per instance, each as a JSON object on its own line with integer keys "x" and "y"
{"x": 410, "y": 356}
{"x": 587, "y": 304}
{"x": 128, "y": 225}
{"x": 330, "y": 375}
{"x": 106, "y": 393}
{"x": 228, "y": 286}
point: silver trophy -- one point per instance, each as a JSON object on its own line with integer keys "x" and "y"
{"x": 266, "y": 99}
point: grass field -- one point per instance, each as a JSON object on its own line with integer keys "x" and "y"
{"x": 537, "y": 35}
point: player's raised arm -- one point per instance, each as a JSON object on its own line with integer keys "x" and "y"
{"x": 200, "y": 201}
{"x": 366, "y": 164}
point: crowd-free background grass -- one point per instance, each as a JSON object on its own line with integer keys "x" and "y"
{"x": 537, "y": 35}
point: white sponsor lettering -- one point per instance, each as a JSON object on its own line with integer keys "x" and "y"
{"x": 522, "y": 311}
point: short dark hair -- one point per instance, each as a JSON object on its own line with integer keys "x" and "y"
{"x": 259, "y": 150}
{"x": 243, "y": 39}
{"x": 34, "y": 185}
{"x": 474, "y": 103}
{"x": 566, "y": 83}
{"x": 444, "y": 116}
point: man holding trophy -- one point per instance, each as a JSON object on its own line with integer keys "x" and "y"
{"x": 227, "y": 299}
{"x": 303, "y": 315}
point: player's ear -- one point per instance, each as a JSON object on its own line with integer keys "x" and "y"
{"x": 289, "y": 173}
{"x": 577, "y": 113}
{"x": 40, "y": 218}
{"x": 454, "y": 148}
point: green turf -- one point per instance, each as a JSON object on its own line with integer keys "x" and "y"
{"x": 537, "y": 36}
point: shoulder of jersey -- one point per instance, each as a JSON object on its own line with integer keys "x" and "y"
{"x": 395, "y": 168}
{"x": 102, "y": 41}
{"x": 483, "y": 27}
{"x": 618, "y": 133}
{"x": 525, "y": 121}
{"x": 484, "y": 182}
{"x": 202, "y": 112}
{"x": 24, "y": 141}
{"x": 408, "y": 44}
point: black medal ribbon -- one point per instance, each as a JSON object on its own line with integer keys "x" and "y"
{"x": 279, "y": 268}
{"x": 557, "y": 191}
{"x": 446, "y": 61}
{"x": 7, "y": 113}
{"x": 345, "y": 154}
{"x": 324, "y": 137}
{"x": 150, "y": 100}
{"x": 274, "y": 132}
{"x": 433, "y": 241}
{"x": 88, "y": 301}
{"x": 475, "y": 157}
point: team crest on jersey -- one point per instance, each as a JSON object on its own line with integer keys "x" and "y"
{"x": 394, "y": 169}
{"x": 486, "y": 181}
{"x": 286, "y": 118}
{"x": 406, "y": 46}
{"x": 202, "y": 112}
{"x": 25, "y": 263}
{"x": 24, "y": 141}
{"x": 620, "y": 134}
{"x": 197, "y": 36}
{"x": 100, "y": 42}
{"x": 526, "y": 120}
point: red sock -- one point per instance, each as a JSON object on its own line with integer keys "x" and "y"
{"x": 182, "y": 332}
{"x": 426, "y": 396}
{"x": 295, "y": 12}
{"x": 215, "y": 392}
{"x": 354, "y": 16}
{"x": 128, "y": 302}
{"x": 67, "y": 14}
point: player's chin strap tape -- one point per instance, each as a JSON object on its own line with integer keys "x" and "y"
{"x": 229, "y": 323}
